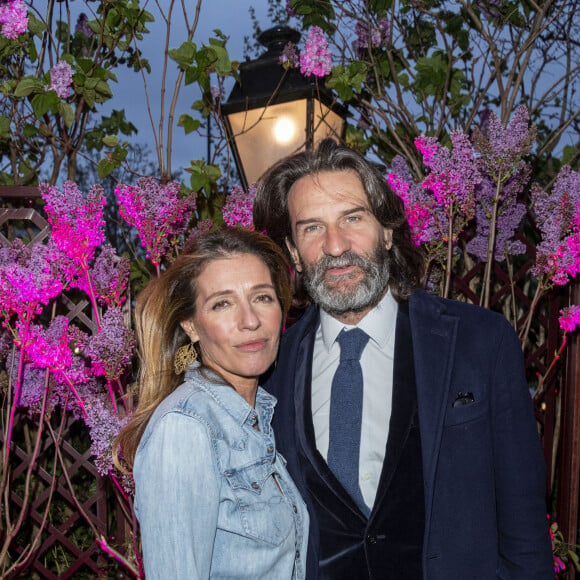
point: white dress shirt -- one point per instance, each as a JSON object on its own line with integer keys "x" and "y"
{"x": 377, "y": 368}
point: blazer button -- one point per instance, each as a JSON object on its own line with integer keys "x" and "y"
{"x": 371, "y": 539}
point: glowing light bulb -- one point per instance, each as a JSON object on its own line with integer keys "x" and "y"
{"x": 284, "y": 130}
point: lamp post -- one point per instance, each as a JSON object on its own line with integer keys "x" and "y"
{"x": 272, "y": 113}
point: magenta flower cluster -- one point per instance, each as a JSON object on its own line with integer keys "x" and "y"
{"x": 237, "y": 210}
{"x": 558, "y": 218}
{"x": 477, "y": 182}
{"x": 316, "y": 58}
{"x": 13, "y": 18}
{"x": 51, "y": 359}
{"x": 157, "y": 212}
{"x": 61, "y": 79}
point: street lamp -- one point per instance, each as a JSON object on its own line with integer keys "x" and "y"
{"x": 272, "y": 113}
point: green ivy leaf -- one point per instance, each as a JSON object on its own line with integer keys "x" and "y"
{"x": 44, "y": 102}
{"x": 188, "y": 123}
{"x": 105, "y": 168}
{"x": 67, "y": 113}
{"x": 185, "y": 54}
{"x": 27, "y": 86}
{"x": 111, "y": 140}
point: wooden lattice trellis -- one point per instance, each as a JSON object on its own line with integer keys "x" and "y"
{"x": 558, "y": 413}
{"x": 69, "y": 505}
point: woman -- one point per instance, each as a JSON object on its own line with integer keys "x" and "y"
{"x": 213, "y": 498}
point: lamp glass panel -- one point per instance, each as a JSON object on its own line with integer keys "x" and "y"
{"x": 266, "y": 135}
{"x": 327, "y": 123}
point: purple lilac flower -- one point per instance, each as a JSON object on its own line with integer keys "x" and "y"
{"x": 13, "y": 18}
{"x": 371, "y": 36}
{"x": 104, "y": 425}
{"x": 27, "y": 279}
{"x": 509, "y": 218}
{"x": 82, "y": 25}
{"x": 558, "y": 218}
{"x": 61, "y": 79}
{"x": 289, "y": 10}
{"x": 569, "y": 318}
{"x": 77, "y": 223}
{"x": 316, "y": 58}
{"x": 216, "y": 93}
{"x": 109, "y": 277}
{"x": 289, "y": 57}
{"x": 33, "y": 382}
{"x": 237, "y": 210}
{"x": 111, "y": 349}
{"x": 502, "y": 149}
{"x": 157, "y": 212}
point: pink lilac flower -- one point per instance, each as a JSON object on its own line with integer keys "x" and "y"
{"x": 109, "y": 277}
{"x": 569, "y": 318}
{"x": 157, "y": 212}
{"x": 77, "y": 223}
{"x": 453, "y": 178}
{"x": 558, "y": 218}
{"x": 111, "y": 349}
{"x": 61, "y": 79}
{"x": 13, "y": 18}
{"x": 316, "y": 58}
{"x": 502, "y": 149}
{"x": 289, "y": 56}
{"x": 47, "y": 348}
{"x": 419, "y": 207}
{"x": 237, "y": 210}
{"x": 28, "y": 280}
{"x": 215, "y": 93}
{"x": 200, "y": 228}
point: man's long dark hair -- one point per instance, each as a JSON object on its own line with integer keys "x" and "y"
{"x": 406, "y": 261}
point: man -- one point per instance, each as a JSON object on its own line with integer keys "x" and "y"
{"x": 418, "y": 453}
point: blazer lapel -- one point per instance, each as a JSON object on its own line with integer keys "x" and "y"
{"x": 304, "y": 423}
{"x": 404, "y": 406}
{"x": 434, "y": 334}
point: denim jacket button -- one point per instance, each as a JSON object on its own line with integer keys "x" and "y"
{"x": 270, "y": 449}
{"x": 255, "y": 484}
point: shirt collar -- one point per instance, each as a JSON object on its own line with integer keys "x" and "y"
{"x": 228, "y": 398}
{"x": 379, "y": 323}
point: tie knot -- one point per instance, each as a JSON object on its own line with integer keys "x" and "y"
{"x": 352, "y": 343}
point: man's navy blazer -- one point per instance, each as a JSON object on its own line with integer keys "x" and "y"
{"x": 483, "y": 469}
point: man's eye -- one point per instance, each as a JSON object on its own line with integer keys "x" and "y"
{"x": 353, "y": 218}
{"x": 311, "y": 229}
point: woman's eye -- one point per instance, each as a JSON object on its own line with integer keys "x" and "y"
{"x": 220, "y": 305}
{"x": 265, "y": 298}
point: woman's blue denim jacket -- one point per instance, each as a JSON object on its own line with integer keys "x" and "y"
{"x": 213, "y": 498}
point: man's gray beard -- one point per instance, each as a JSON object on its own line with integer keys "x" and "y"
{"x": 367, "y": 293}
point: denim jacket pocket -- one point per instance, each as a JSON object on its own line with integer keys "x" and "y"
{"x": 265, "y": 514}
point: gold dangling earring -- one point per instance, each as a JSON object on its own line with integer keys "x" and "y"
{"x": 184, "y": 356}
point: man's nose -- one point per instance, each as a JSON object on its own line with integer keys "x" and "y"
{"x": 336, "y": 242}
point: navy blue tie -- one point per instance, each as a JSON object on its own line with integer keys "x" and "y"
{"x": 346, "y": 414}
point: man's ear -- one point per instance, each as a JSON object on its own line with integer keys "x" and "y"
{"x": 189, "y": 329}
{"x": 294, "y": 254}
{"x": 388, "y": 234}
